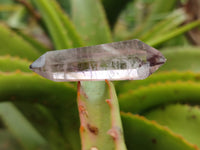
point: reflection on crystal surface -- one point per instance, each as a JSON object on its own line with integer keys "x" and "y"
{"x": 126, "y": 60}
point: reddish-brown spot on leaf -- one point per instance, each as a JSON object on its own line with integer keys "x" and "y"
{"x": 93, "y": 129}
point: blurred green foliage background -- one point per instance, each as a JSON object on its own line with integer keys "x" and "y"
{"x": 158, "y": 113}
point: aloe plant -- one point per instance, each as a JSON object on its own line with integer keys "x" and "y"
{"x": 36, "y": 113}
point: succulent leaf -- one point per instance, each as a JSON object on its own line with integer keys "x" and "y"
{"x": 19, "y": 47}
{"x": 158, "y": 9}
{"x": 28, "y": 137}
{"x": 172, "y": 21}
{"x": 173, "y": 33}
{"x": 181, "y": 119}
{"x": 9, "y": 64}
{"x": 90, "y": 21}
{"x": 69, "y": 26}
{"x": 182, "y": 59}
{"x": 26, "y": 90}
{"x": 7, "y": 141}
{"x": 142, "y": 134}
{"x": 53, "y": 23}
{"x": 35, "y": 43}
{"x": 156, "y": 95}
{"x": 159, "y": 77}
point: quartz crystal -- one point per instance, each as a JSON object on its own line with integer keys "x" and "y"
{"x": 125, "y": 60}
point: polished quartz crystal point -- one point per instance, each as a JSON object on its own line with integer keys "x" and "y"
{"x": 126, "y": 60}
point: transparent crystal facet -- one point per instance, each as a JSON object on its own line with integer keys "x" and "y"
{"x": 126, "y": 60}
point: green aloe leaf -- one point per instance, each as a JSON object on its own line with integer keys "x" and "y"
{"x": 181, "y": 119}
{"x": 19, "y": 46}
{"x": 8, "y": 8}
{"x": 182, "y": 59}
{"x": 60, "y": 27}
{"x": 6, "y": 2}
{"x": 58, "y": 98}
{"x": 36, "y": 44}
{"x": 99, "y": 110}
{"x": 159, "y": 8}
{"x": 142, "y": 134}
{"x": 8, "y": 64}
{"x": 5, "y": 8}
{"x": 172, "y": 21}
{"x": 172, "y": 34}
{"x": 43, "y": 120}
{"x": 15, "y": 20}
{"x": 22, "y": 130}
{"x": 159, "y": 77}
{"x": 65, "y": 5}
{"x": 53, "y": 23}
{"x": 90, "y": 21}
{"x": 7, "y": 141}
{"x": 70, "y": 28}
{"x": 156, "y": 95}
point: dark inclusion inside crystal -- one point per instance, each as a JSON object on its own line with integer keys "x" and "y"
{"x": 156, "y": 60}
{"x": 119, "y": 63}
